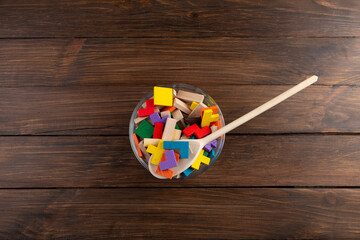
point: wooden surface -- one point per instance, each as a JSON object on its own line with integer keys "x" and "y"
{"x": 235, "y": 61}
{"x": 259, "y": 160}
{"x": 71, "y": 72}
{"x": 106, "y": 110}
{"x": 178, "y": 18}
{"x": 138, "y": 213}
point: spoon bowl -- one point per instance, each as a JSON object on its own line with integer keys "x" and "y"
{"x": 195, "y": 146}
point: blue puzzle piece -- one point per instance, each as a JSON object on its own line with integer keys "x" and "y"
{"x": 182, "y": 145}
{"x": 188, "y": 171}
{"x": 211, "y": 154}
{"x": 193, "y": 137}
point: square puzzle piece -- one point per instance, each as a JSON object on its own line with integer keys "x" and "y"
{"x": 163, "y": 96}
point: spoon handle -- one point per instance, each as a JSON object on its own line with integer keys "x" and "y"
{"x": 257, "y": 111}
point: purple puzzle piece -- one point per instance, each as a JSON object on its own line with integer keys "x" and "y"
{"x": 210, "y": 145}
{"x": 170, "y": 161}
{"x": 214, "y": 143}
{"x": 155, "y": 117}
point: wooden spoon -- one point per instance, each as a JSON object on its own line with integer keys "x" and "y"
{"x": 197, "y": 144}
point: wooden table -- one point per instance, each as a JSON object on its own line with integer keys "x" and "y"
{"x": 72, "y": 71}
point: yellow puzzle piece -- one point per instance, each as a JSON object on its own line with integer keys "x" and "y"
{"x": 163, "y": 96}
{"x": 200, "y": 159}
{"x": 193, "y": 105}
{"x": 157, "y": 152}
{"x": 208, "y": 118}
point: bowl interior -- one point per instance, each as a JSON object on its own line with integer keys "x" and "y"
{"x": 207, "y": 101}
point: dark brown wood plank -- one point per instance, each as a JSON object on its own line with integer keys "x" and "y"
{"x": 180, "y": 214}
{"x": 294, "y": 160}
{"x": 106, "y": 110}
{"x": 202, "y": 18}
{"x": 73, "y": 62}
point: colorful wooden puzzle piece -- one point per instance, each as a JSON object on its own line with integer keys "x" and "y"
{"x": 208, "y": 117}
{"x": 193, "y": 105}
{"x": 211, "y": 154}
{"x": 163, "y": 96}
{"x": 206, "y": 154}
{"x": 200, "y": 159}
{"x": 216, "y": 123}
{"x": 191, "y": 130}
{"x": 145, "y": 130}
{"x": 143, "y": 112}
{"x": 210, "y": 145}
{"x": 202, "y": 132}
{"x": 214, "y": 109}
{"x": 166, "y": 173}
{"x": 155, "y": 118}
{"x": 182, "y": 145}
{"x": 158, "y": 130}
{"x": 170, "y": 109}
{"x": 136, "y": 141}
{"x": 188, "y": 171}
{"x": 156, "y": 152}
{"x": 170, "y": 160}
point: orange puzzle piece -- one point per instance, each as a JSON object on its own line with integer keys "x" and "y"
{"x": 216, "y": 123}
{"x": 136, "y": 140}
{"x": 170, "y": 109}
{"x": 213, "y": 108}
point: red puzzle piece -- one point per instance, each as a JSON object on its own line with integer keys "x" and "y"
{"x": 148, "y": 110}
{"x": 202, "y": 132}
{"x": 158, "y": 130}
{"x": 191, "y": 130}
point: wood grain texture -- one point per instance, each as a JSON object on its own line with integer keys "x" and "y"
{"x": 201, "y": 18}
{"x": 181, "y": 213}
{"x": 71, "y": 73}
{"x": 75, "y": 62}
{"x": 293, "y": 160}
{"x": 107, "y": 110}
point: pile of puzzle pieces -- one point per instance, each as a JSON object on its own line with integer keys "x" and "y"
{"x": 169, "y": 116}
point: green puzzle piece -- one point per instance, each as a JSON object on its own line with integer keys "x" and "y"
{"x": 145, "y": 130}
